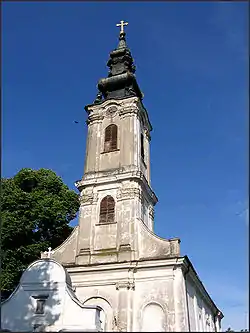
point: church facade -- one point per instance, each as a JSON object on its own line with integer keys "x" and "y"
{"x": 139, "y": 280}
{"x": 117, "y": 264}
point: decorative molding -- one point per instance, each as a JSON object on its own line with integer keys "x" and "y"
{"x": 124, "y": 247}
{"x": 128, "y": 193}
{"x": 94, "y": 117}
{"x": 132, "y": 101}
{"x": 174, "y": 246}
{"x": 128, "y": 111}
{"x": 131, "y": 172}
{"x": 84, "y": 251}
{"x": 105, "y": 223}
{"x": 162, "y": 279}
{"x": 111, "y": 111}
{"x": 94, "y": 284}
{"x": 151, "y": 212}
{"x": 125, "y": 285}
{"x": 88, "y": 198}
{"x": 109, "y": 102}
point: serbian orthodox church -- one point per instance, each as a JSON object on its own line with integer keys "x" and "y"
{"x": 113, "y": 273}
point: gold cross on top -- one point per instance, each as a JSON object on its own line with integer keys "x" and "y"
{"x": 122, "y": 24}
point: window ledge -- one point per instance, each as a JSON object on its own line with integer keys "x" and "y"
{"x": 39, "y": 314}
{"x": 106, "y": 223}
{"x": 110, "y": 151}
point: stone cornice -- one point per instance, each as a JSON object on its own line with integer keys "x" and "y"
{"x": 120, "y": 103}
{"x": 137, "y": 264}
{"x": 126, "y": 107}
{"x": 115, "y": 176}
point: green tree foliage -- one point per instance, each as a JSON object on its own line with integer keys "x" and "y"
{"x": 36, "y": 209}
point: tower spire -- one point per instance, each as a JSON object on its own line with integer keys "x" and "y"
{"x": 122, "y": 41}
{"x": 121, "y": 81}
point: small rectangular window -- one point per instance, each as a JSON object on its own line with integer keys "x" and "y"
{"x": 40, "y": 303}
{"x": 40, "y": 306}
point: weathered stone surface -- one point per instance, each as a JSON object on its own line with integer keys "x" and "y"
{"x": 66, "y": 252}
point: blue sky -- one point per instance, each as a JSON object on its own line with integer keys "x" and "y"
{"x": 192, "y": 67}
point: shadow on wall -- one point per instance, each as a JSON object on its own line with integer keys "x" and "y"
{"x": 36, "y": 303}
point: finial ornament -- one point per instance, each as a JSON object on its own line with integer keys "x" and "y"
{"x": 122, "y": 24}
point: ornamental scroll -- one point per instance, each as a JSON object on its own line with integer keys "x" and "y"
{"x": 128, "y": 111}
{"x": 128, "y": 193}
{"x": 88, "y": 198}
{"x": 94, "y": 118}
{"x": 111, "y": 111}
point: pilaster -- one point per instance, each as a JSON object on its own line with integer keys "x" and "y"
{"x": 124, "y": 305}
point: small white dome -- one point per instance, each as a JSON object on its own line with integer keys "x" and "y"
{"x": 45, "y": 270}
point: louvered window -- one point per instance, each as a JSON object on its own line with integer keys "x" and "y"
{"x": 110, "y": 141}
{"x": 107, "y": 210}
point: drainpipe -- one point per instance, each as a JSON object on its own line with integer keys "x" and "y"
{"x": 185, "y": 274}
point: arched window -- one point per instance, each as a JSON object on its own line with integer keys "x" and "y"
{"x": 110, "y": 140}
{"x": 107, "y": 210}
{"x": 106, "y": 313}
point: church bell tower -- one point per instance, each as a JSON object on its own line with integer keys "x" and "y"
{"x": 115, "y": 191}
{"x": 116, "y": 218}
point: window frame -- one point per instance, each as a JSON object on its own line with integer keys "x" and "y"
{"x": 110, "y": 139}
{"x": 40, "y": 302}
{"x": 107, "y": 214}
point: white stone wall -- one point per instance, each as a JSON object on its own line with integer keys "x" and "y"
{"x": 129, "y": 293}
{"x": 202, "y": 315}
{"x": 62, "y": 310}
{"x": 154, "y": 296}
